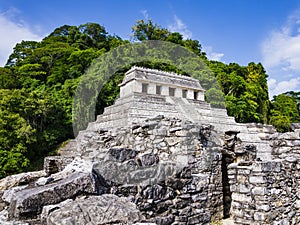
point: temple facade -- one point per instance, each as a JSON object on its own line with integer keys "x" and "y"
{"x": 155, "y": 82}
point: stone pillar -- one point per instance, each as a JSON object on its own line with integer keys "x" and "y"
{"x": 129, "y": 88}
{"x": 138, "y": 86}
{"x": 151, "y": 88}
{"x": 164, "y": 90}
{"x": 190, "y": 94}
{"x": 201, "y": 96}
{"x": 178, "y": 92}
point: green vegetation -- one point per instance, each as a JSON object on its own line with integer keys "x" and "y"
{"x": 284, "y": 111}
{"x": 36, "y": 92}
{"x": 38, "y": 83}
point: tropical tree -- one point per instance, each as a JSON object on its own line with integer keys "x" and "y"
{"x": 284, "y": 111}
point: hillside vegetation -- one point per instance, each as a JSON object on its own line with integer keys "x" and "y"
{"x": 39, "y": 80}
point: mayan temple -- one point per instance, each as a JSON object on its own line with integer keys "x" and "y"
{"x": 146, "y": 93}
{"x": 162, "y": 155}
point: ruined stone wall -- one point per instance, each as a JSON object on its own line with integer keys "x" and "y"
{"x": 265, "y": 192}
{"x": 171, "y": 168}
{"x": 170, "y": 172}
{"x": 285, "y": 145}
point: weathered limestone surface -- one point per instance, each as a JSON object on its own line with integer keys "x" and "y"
{"x": 285, "y": 145}
{"x": 11, "y": 182}
{"x": 5, "y": 221}
{"x": 266, "y": 192}
{"x": 95, "y": 210}
{"x": 20, "y": 179}
{"x": 169, "y": 166}
{"x": 76, "y": 179}
{"x": 295, "y": 126}
{"x": 30, "y": 201}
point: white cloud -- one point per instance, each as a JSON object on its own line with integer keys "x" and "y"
{"x": 180, "y": 27}
{"x": 145, "y": 14}
{"x": 281, "y": 56}
{"x": 272, "y": 83}
{"x": 276, "y": 88}
{"x": 211, "y": 54}
{"x": 281, "y": 48}
{"x": 12, "y": 32}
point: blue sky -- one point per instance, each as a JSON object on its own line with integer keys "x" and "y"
{"x": 240, "y": 31}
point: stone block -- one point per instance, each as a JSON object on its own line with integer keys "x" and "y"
{"x": 160, "y": 132}
{"x": 171, "y": 141}
{"x": 297, "y": 204}
{"x": 241, "y": 197}
{"x": 271, "y": 166}
{"x": 291, "y": 159}
{"x": 236, "y": 205}
{"x": 104, "y": 209}
{"x": 257, "y": 179}
{"x": 232, "y": 171}
{"x": 260, "y": 216}
{"x": 265, "y": 208}
{"x": 259, "y": 191}
{"x": 277, "y": 204}
{"x": 9, "y": 194}
{"x": 261, "y": 198}
{"x": 256, "y": 167}
{"x": 242, "y": 221}
{"x": 158, "y": 140}
{"x": 238, "y": 213}
{"x": 242, "y": 179}
{"x": 20, "y": 179}
{"x": 49, "y": 208}
{"x": 232, "y": 177}
{"x": 30, "y": 201}
{"x": 181, "y": 133}
{"x": 243, "y": 171}
{"x": 244, "y": 188}
{"x": 281, "y": 150}
{"x": 199, "y": 219}
{"x": 54, "y": 164}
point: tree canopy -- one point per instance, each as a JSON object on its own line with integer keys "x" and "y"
{"x": 284, "y": 111}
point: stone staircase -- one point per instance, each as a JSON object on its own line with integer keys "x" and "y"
{"x": 133, "y": 108}
{"x": 185, "y": 108}
{"x": 202, "y": 112}
{"x": 138, "y": 107}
